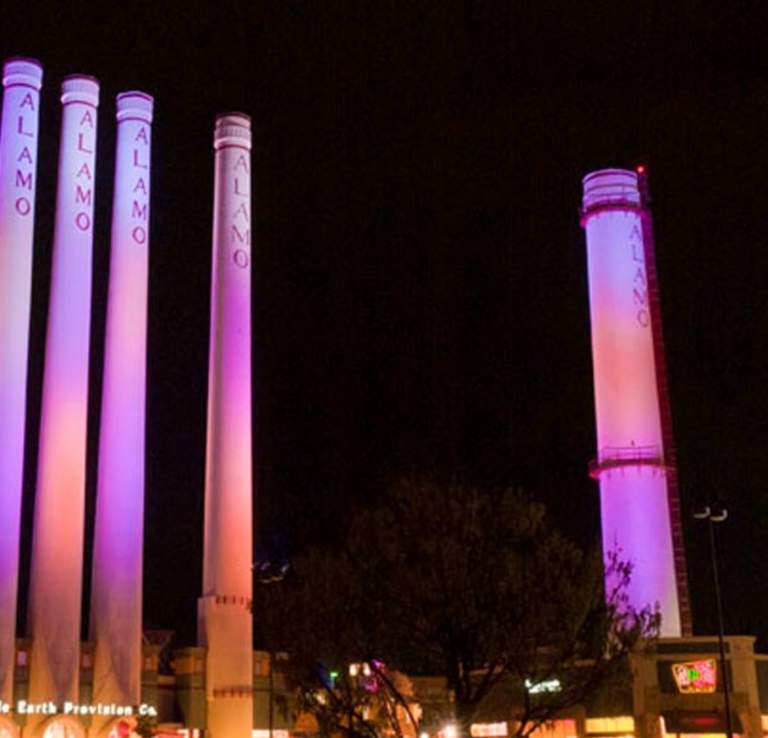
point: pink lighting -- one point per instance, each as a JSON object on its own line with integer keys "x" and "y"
{"x": 22, "y": 80}
{"x": 225, "y": 623}
{"x": 116, "y": 599}
{"x": 695, "y": 677}
{"x": 631, "y": 461}
{"x": 57, "y": 544}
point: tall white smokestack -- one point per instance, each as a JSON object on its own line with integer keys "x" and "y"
{"x": 57, "y": 543}
{"x": 631, "y": 465}
{"x": 116, "y": 596}
{"x": 22, "y": 79}
{"x": 225, "y": 623}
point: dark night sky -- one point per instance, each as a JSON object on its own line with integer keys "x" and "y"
{"x": 420, "y": 299}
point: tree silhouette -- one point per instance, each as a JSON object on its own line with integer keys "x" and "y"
{"x": 451, "y": 581}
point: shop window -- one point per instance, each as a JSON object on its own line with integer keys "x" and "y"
{"x": 556, "y": 729}
{"x": 615, "y": 726}
{"x": 122, "y": 729}
{"x": 62, "y": 729}
{"x": 488, "y": 730}
{"x": 6, "y": 731}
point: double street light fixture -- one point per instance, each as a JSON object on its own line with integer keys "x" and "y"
{"x": 712, "y": 516}
{"x": 267, "y": 572}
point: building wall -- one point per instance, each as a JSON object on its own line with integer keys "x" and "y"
{"x": 633, "y": 712}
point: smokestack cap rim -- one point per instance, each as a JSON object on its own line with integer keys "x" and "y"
{"x": 80, "y": 76}
{"x": 25, "y": 59}
{"x": 134, "y": 104}
{"x": 234, "y": 114}
{"x": 80, "y": 88}
{"x": 609, "y": 171}
{"x": 232, "y": 129}
{"x": 22, "y": 70}
{"x": 135, "y": 93}
{"x": 611, "y": 187}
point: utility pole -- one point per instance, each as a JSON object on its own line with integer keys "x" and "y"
{"x": 712, "y": 517}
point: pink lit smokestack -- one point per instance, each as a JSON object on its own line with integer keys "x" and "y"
{"x": 116, "y": 596}
{"x": 57, "y": 543}
{"x": 631, "y": 465}
{"x": 22, "y": 80}
{"x": 225, "y": 623}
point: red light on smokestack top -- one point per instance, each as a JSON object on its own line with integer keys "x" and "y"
{"x": 640, "y": 168}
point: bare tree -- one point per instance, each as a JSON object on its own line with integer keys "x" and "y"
{"x": 448, "y": 580}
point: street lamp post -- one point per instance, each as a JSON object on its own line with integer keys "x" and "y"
{"x": 269, "y": 573}
{"x": 712, "y": 517}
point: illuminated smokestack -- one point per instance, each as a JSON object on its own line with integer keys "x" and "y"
{"x": 22, "y": 80}
{"x": 57, "y": 543}
{"x": 631, "y": 463}
{"x": 225, "y": 623}
{"x": 117, "y": 557}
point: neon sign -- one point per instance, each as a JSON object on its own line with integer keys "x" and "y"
{"x": 548, "y": 685}
{"x": 694, "y": 677}
{"x": 23, "y": 707}
{"x": 488, "y": 730}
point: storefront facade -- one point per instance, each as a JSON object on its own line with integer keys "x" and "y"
{"x": 676, "y": 691}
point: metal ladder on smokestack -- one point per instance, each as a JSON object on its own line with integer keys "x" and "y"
{"x": 665, "y": 410}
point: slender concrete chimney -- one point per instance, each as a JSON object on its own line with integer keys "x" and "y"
{"x": 22, "y": 80}
{"x": 631, "y": 465}
{"x": 116, "y": 596}
{"x": 225, "y": 622}
{"x": 57, "y": 543}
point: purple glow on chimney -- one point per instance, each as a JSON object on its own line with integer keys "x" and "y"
{"x": 57, "y": 543}
{"x": 22, "y": 80}
{"x": 117, "y": 558}
{"x": 225, "y": 624}
{"x": 630, "y": 466}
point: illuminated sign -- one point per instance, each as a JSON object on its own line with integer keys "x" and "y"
{"x": 547, "y": 685}
{"x": 695, "y": 676}
{"x": 488, "y": 730}
{"x": 73, "y": 708}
